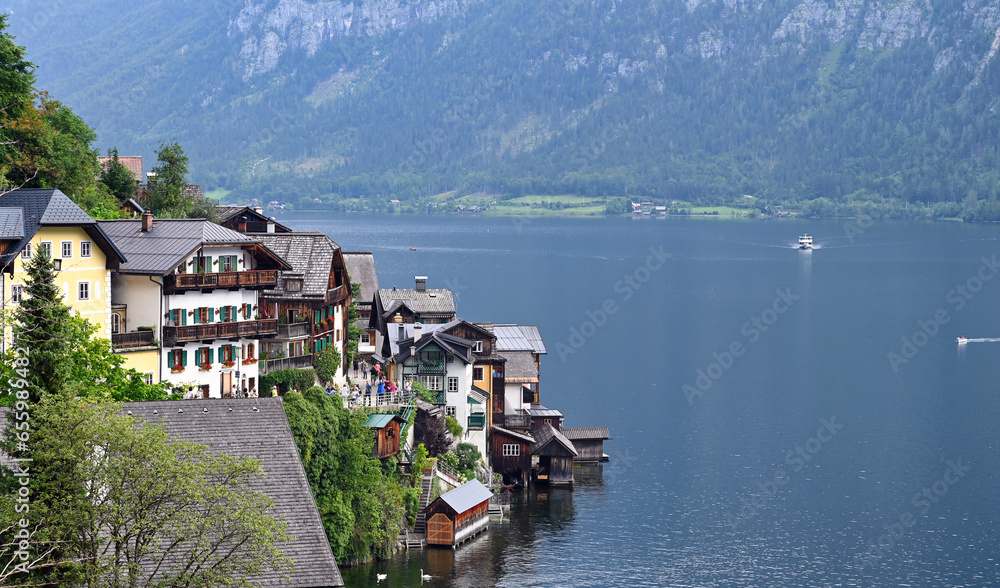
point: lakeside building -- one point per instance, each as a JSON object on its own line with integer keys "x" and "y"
{"x": 361, "y": 271}
{"x": 244, "y": 219}
{"x": 197, "y": 285}
{"x": 436, "y": 306}
{"x": 83, "y": 254}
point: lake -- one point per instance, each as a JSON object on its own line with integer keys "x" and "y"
{"x": 778, "y": 417}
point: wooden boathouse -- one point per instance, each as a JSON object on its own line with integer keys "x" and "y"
{"x": 458, "y": 515}
{"x": 510, "y": 455}
{"x": 555, "y": 456}
{"x": 589, "y": 442}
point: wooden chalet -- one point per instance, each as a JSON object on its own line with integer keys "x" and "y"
{"x": 458, "y": 515}
{"x": 555, "y": 456}
{"x": 248, "y": 220}
{"x": 386, "y": 428}
{"x": 510, "y": 455}
{"x": 589, "y": 442}
{"x": 541, "y": 416}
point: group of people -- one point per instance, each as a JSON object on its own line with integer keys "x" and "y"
{"x": 377, "y": 389}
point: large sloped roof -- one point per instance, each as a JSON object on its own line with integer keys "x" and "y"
{"x": 170, "y": 242}
{"x": 238, "y": 214}
{"x": 379, "y": 421}
{"x": 466, "y": 496}
{"x": 520, "y": 368}
{"x": 519, "y": 338}
{"x": 311, "y": 256}
{"x": 361, "y": 269}
{"x": 258, "y": 428}
{"x": 132, "y": 162}
{"x": 548, "y": 438}
{"x": 50, "y": 207}
{"x": 586, "y": 433}
{"x": 419, "y": 301}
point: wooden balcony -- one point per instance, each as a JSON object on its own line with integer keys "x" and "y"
{"x": 133, "y": 340}
{"x": 429, "y": 367}
{"x": 293, "y": 331}
{"x": 517, "y": 420}
{"x": 244, "y": 279}
{"x": 285, "y": 363}
{"x": 261, "y": 328}
{"x": 334, "y": 295}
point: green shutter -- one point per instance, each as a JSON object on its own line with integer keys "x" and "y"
{"x": 232, "y": 352}
{"x": 184, "y": 316}
{"x": 184, "y": 357}
{"x": 211, "y": 355}
{"x": 211, "y": 314}
{"x": 232, "y": 315}
{"x": 208, "y": 263}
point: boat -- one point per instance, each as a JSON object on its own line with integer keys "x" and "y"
{"x": 805, "y": 242}
{"x": 962, "y": 339}
{"x": 413, "y": 248}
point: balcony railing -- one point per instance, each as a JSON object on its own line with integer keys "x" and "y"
{"x": 477, "y": 422}
{"x": 242, "y": 279}
{"x": 519, "y": 420}
{"x": 132, "y": 340}
{"x": 286, "y": 363}
{"x": 259, "y": 328}
{"x": 431, "y": 367}
{"x": 292, "y": 331}
{"x": 336, "y": 294}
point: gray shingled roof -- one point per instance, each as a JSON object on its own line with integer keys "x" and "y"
{"x": 515, "y": 434}
{"x": 227, "y": 213}
{"x": 311, "y": 256}
{"x": 419, "y": 301}
{"x": 466, "y": 496}
{"x": 361, "y": 269}
{"x": 168, "y": 244}
{"x": 546, "y": 435}
{"x": 537, "y": 410}
{"x": 11, "y": 223}
{"x": 50, "y": 207}
{"x": 232, "y": 427}
{"x": 520, "y": 367}
{"x": 586, "y": 433}
{"x": 519, "y": 338}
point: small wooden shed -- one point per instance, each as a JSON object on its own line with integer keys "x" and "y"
{"x": 458, "y": 515}
{"x": 589, "y": 442}
{"x": 555, "y": 456}
{"x": 510, "y": 455}
{"x": 386, "y": 427}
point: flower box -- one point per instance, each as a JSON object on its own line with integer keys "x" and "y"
{"x": 205, "y": 367}
{"x": 228, "y": 364}
{"x": 250, "y": 361}
{"x": 176, "y": 368}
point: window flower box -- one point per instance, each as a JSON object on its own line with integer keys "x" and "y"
{"x": 249, "y": 361}
{"x": 176, "y": 369}
{"x": 228, "y": 364}
{"x": 205, "y": 367}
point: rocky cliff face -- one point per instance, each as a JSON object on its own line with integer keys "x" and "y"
{"x": 265, "y": 31}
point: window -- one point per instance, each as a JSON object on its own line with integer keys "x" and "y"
{"x": 477, "y": 373}
{"x": 16, "y": 293}
{"x": 83, "y": 291}
{"x": 84, "y": 248}
{"x": 203, "y": 265}
{"x": 478, "y": 347}
{"x": 116, "y": 322}
{"x": 204, "y": 315}
{"x": 177, "y": 358}
{"x": 228, "y": 314}
{"x": 178, "y": 317}
{"x": 67, "y": 249}
{"x": 26, "y": 252}
{"x": 432, "y": 382}
{"x": 449, "y": 411}
{"x": 149, "y": 378}
{"x": 47, "y": 248}
{"x": 293, "y": 285}
{"x": 204, "y": 356}
{"x": 250, "y": 351}
{"x": 226, "y": 353}
{"x": 452, "y": 384}
{"x": 227, "y": 263}
{"x": 511, "y": 450}
{"x": 366, "y": 338}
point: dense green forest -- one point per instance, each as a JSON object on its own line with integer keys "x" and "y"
{"x": 849, "y": 107}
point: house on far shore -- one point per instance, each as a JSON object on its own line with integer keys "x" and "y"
{"x": 458, "y": 515}
{"x": 589, "y": 442}
{"x": 229, "y": 426}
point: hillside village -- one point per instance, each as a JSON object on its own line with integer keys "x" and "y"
{"x": 231, "y": 315}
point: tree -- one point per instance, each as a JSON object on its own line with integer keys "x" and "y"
{"x": 116, "y": 504}
{"x": 119, "y": 179}
{"x": 353, "y": 331}
{"x": 166, "y": 188}
{"x": 326, "y": 363}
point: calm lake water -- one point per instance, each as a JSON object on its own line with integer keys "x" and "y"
{"x": 804, "y": 446}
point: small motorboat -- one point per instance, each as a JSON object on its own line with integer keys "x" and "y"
{"x": 413, "y": 248}
{"x": 962, "y": 339}
{"x": 805, "y": 242}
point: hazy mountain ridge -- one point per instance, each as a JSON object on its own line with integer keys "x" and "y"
{"x": 673, "y": 99}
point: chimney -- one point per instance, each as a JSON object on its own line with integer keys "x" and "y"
{"x": 258, "y": 209}
{"x": 402, "y": 332}
{"x": 147, "y": 221}
{"x": 417, "y": 331}
{"x": 150, "y": 177}
{"x": 421, "y": 283}
{"x": 270, "y": 225}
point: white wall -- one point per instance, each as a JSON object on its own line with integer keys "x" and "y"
{"x": 142, "y": 297}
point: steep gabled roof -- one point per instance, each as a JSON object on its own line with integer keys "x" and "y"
{"x": 419, "y": 301}
{"x": 50, "y": 207}
{"x": 171, "y": 241}
{"x": 587, "y": 433}
{"x": 520, "y": 367}
{"x": 310, "y": 255}
{"x": 237, "y": 214}
{"x": 361, "y": 269}
{"x": 400, "y": 348}
{"x": 466, "y": 496}
{"x": 132, "y": 162}
{"x": 519, "y": 338}
{"x": 379, "y": 421}
{"x": 522, "y": 436}
{"x": 549, "y": 441}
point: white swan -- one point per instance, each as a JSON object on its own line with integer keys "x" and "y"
{"x": 380, "y": 577}
{"x": 424, "y": 576}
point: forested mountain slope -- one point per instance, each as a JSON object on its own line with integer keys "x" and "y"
{"x": 675, "y": 99}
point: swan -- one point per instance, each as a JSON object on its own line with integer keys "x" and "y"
{"x": 380, "y": 577}
{"x": 424, "y": 576}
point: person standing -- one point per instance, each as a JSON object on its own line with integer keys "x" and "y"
{"x": 355, "y": 367}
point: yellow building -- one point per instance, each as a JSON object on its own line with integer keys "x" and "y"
{"x": 82, "y": 253}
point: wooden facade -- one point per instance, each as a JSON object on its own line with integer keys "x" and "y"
{"x": 555, "y": 456}
{"x": 458, "y": 515}
{"x": 589, "y": 442}
{"x": 510, "y": 455}
{"x": 387, "y": 429}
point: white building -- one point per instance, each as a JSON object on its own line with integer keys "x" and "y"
{"x": 197, "y": 284}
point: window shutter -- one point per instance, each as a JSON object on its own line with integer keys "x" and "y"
{"x": 208, "y": 263}
{"x": 183, "y": 316}
{"x": 211, "y": 314}
{"x": 232, "y": 352}
{"x": 211, "y": 355}
{"x": 184, "y": 357}
{"x": 232, "y": 314}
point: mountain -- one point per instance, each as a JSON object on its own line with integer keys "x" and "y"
{"x": 695, "y": 100}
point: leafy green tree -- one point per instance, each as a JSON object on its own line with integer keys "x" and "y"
{"x": 353, "y": 331}
{"x": 167, "y": 186}
{"x": 119, "y": 179}
{"x": 361, "y": 506}
{"x": 116, "y": 504}
{"x": 326, "y": 363}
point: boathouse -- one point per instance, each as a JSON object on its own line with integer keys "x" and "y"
{"x": 510, "y": 455}
{"x": 386, "y": 428}
{"x": 589, "y": 442}
{"x": 555, "y": 456}
{"x": 458, "y": 515}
